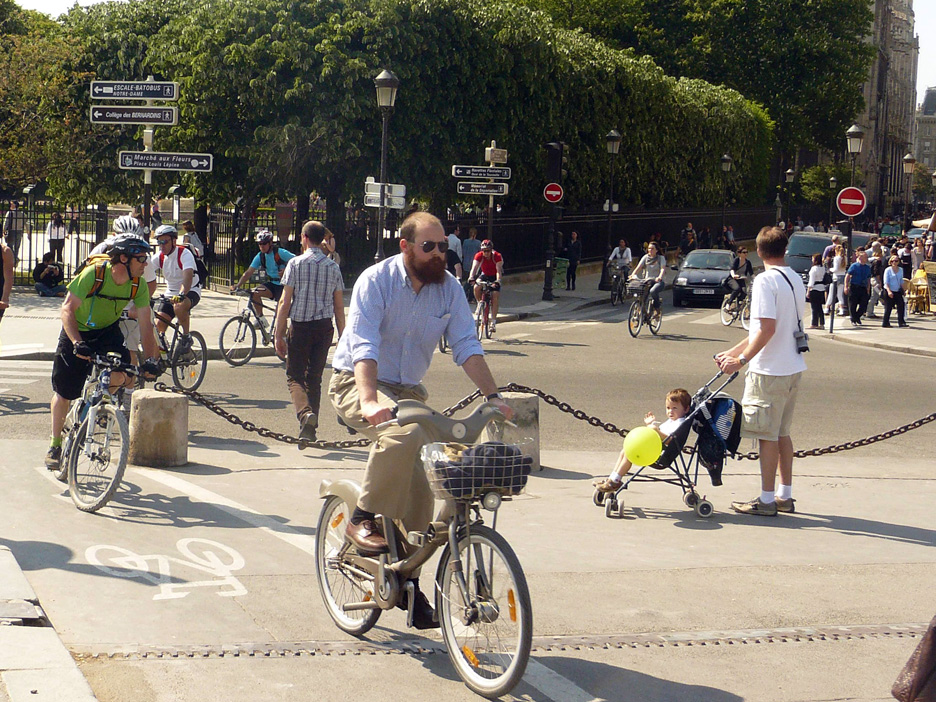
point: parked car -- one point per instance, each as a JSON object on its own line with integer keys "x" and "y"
{"x": 702, "y": 276}
{"x": 802, "y": 246}
{"x": 916, "y": 233}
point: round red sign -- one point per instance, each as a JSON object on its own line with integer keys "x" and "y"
{"x": 553, "y": 192}
{"x": 851, "y": 202}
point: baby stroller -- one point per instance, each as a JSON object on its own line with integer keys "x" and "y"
{"x": 716, "y": 420}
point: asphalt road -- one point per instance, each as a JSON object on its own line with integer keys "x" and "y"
{"x": 186, "y": 565}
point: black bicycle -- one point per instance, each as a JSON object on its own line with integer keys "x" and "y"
{"x": 619, "y": 276}
{"x": 188, "y": 365}
{"x": 642, "y": 309}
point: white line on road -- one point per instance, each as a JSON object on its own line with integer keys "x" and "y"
{"x": 303, "y": 542}
{"x": 555, "y": 686}
{"x": 20, "y": 381}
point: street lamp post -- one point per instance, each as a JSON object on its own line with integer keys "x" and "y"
{"x": 386, "y": 84}
{"x": 933, "y": 180}
{"x": 726, "y": 161}
{"x": 613, "y": 142}
{"x": 854, "y": 138}
{"x": 789, "y": 176}
{"x": 908, "y": 165}
{"x": 833, "y": 186}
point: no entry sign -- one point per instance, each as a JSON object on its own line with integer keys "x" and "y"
{"x": 553, "y": 192}
{"x": 851, "y": 202}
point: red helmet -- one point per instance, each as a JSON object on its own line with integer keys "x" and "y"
{"x": 486, "y": 244}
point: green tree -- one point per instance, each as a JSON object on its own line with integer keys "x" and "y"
{"x": 923, "y": 189}
{"x": 814, "y": 183}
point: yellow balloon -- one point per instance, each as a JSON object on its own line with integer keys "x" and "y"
{"x": 642, "y": 446}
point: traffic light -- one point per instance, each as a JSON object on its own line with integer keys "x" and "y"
{"x": 557, "y": 161}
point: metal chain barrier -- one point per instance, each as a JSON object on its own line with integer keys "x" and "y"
{"x": 545, "y": 397}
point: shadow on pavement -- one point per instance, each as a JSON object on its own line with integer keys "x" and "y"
{"x": 230, "y": 400}
{"x": 18, "y": 404}
{"x": 247, "y": 446}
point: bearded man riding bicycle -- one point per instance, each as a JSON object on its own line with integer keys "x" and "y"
{"x": 270, "y": 262}
{"x": 90, "y": 324}
{"x": 490, "y": 265}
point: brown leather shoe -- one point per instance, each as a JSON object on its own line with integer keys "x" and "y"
{"x": 367, "y": 537}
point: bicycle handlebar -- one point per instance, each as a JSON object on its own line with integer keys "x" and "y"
{"x": 440, "y": 427}
{"x": 113, "y": 361}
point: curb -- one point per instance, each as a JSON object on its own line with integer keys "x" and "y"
{"x": 911, "y": 350}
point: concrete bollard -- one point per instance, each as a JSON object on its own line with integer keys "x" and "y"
{"x": 158, "y": 429}
{"x": 526, "y": 417}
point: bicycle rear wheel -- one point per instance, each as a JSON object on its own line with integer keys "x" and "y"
{"x": 338, "y": 585}
{"x": 98, "y": 458}
{"x": 188, "y": 370}
{"x": 727, "y": 311}
{"x": 655, "y": 319}
{"x": 488, "y": 637}
{"x": 238, "y": 341}
{"x": 635, "y": 318}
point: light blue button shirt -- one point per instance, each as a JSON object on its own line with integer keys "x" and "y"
{"x": 391, "y": 324}
{"x": 893, "y": 281}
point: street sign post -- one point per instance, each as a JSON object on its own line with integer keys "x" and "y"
{"x": 133, "y": 114}
{"x": 851, "y": 202}
{"x": 394, "y": 203}
{"x": 164, "y": 161}
{"x": 496, "y": 172}
{"x": 494, "y": 155}
{"x": 392, "y": 189}
{"x": 482, "y": 188}
{"x": 134, "y": 90}
{"x": 553, "y": 193}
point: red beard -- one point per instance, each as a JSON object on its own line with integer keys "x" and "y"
{"x": 426, "y": 272}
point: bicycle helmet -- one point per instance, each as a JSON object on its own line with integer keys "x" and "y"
{"x": 127, "y": 224}
{"x": 129, "y": 244}
{"x": 486, "y": 244}
{"x": 264, "y": 236}
{"x": 166, "y": 230}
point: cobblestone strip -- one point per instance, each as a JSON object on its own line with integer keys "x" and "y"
{"x": 541, "y": 644}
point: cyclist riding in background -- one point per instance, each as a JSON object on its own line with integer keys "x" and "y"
{"x": 270, "y": 262}
{"x": 652, "y": 265}
{"x": 90, "y": 315}
{"x": 621, "y": 256}
{"x": 741, "y": 272}
{"x": 182, "y": 283}
{"x": 488, "y": 266}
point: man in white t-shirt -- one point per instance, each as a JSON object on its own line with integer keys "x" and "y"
{"x": 182, "y": 284}
{"x": 772, "y": 381}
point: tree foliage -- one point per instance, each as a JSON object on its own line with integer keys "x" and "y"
{"x": 814, "y": 183}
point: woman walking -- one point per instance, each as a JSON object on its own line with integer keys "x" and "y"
{"x": 815, "y": 292}
{"x": 55, "y": 233}
{"x": 893, "y": 293}
{"x": 573, "y": 253}
{"x": 838, "y": 281}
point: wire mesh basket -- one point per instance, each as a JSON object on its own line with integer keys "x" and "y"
{"x": 637, "y": 287}
{"x": 464, "y": 472}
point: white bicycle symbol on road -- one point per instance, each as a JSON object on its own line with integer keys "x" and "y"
{"x": 201, "y": 554}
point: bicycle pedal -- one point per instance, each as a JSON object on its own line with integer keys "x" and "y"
{"x": 417, "y": 538}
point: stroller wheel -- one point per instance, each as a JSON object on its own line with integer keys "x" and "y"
{"x": 611, "y": 508}
{"x": 691, "y": 499}
{"x": 704, "y": 509}
{"x": 598, "y": 498}
{"x": 620, "y": 511}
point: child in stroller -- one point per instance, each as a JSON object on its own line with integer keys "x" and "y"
{"x": 716, "y": 420}
{"x": 677, "y": 407}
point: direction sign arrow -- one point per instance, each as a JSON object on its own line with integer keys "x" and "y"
{"x": 134, "y": 90}
{"x": 394, "y": 203}
{"x": 482, "y": 188}
{"x": 851, "y": 202}
{"x": 164, "y": 161}
{"x": 553, "y": 192}
{"x": 500, "y": 172}
{"x": 392, "y": 189}
{"x": 133, "y": 114}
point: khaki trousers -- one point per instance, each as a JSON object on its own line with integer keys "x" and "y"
{"x": 395, "y": 482}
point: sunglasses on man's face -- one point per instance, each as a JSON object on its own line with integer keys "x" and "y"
{"x": 143, "y": 258}
{"x": 428, "y": 246}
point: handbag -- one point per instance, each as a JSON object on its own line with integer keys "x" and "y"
{"x": 827, "y": 277}
{"x": 917, "y": 680}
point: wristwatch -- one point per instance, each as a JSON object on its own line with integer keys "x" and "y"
{"x": 743, "y": 360}
{"x": 494, "y": 396}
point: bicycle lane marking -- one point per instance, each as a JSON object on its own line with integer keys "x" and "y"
{"x": 544, "y": 679}
{"x": 271, "y": 526}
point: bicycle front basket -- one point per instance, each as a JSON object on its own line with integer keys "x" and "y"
{"x": 460, "y": 472}
{"x": 637, "y": 287}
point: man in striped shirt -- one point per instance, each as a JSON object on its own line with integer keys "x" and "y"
{"x": 312, "y": 295}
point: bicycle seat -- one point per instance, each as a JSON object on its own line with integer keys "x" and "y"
{"x": 444, "y": 428}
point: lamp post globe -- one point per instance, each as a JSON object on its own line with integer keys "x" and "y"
{"x": 854, "y": 138}
{"x": 613, "y": 144}
{"x": 386, "y": 84}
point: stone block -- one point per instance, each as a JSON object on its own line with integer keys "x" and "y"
{"x": 158, "y": 429}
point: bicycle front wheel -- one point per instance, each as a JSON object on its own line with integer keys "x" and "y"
{"x": 98, "y": 458}
{"x": 488, "y": 320}
{"x": 727, "y": 311}
{"x": 238, "y": 341}
{"x": 616, "y": 293}
{"x": 655, "y": 319}
{"x": 479, "y": 321}
{"x": 488, "y": 634}
{"x": 338, "y": 584}
{"x": 746, "y": 315}
{"x": 635, "y": 318}
{"x": 188, "y": 370}
{"x": 443, "y": 344}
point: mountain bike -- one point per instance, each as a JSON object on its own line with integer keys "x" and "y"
{"x": 96, "y": 437}
{"x": 641, "y": 309}
{"x": 738, "y": 308}
{"x": 481, "y": 594}
{"x": 238, "y": 338}
{"x": 188, "y": 367}
{"x": 484, "y": 315}
{"x": 619, "y": 275}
